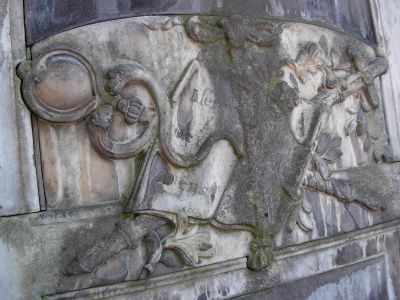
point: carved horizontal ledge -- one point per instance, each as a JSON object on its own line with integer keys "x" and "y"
{"x": 79, "y": 214}
{"x": 237, "y": 269}
{"x": 337, "y": 240}
{"x": 130, "y": 287}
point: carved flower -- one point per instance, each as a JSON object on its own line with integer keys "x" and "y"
{"x": 326, "y": 152}
{"x": 308, "y": 61}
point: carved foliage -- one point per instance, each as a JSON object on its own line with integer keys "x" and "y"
{"x": 341, "y": 77}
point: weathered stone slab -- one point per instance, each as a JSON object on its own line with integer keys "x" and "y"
{"x": 366, "y": 280}
{"x": 45, "y": 18}
{"x": 18, "y": 185}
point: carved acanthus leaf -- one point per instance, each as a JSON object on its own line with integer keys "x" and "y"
{"x": 168, "y": 259}
{"x": 301, "y": 215}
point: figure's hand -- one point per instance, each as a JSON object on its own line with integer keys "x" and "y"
{"x": 131, "y": 108}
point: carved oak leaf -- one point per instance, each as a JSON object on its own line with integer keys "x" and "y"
{"x": 350, "y": 126}
{"x": 323, "y": 168}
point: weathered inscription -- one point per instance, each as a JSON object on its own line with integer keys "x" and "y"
{"x": 195, "y": 189}
{"x": 207, "y": 99}
{"x": 182, "y": 134}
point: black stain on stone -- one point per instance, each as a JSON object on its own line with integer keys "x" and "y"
{"x": 371, "y": 248}
{"x": 313, "y": 196}
{"x": 202, "y": 297}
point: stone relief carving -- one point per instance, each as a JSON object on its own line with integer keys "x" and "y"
{"x": 340, "y": 78}
{"x": 153, "y": 184}
{"x": 201, "y": 146}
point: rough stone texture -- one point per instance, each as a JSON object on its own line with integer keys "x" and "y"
{"x": 194, "y": 157}
{"x": 19, "y": 193}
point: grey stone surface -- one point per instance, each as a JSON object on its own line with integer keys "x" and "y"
{"x": 206, "y": 157}
{"x": 362, "y": 281}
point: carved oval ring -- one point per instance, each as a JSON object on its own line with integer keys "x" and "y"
{"x": 61, "y": 86}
